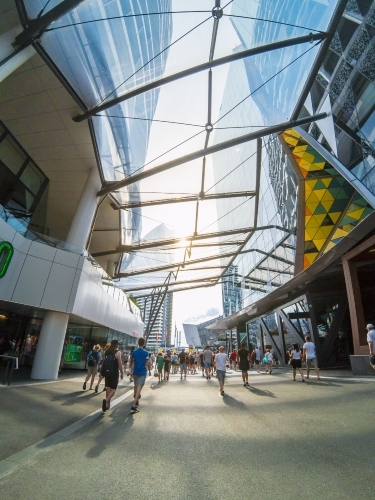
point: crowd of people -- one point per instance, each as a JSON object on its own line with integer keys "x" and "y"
{"x": 111, "y": 364}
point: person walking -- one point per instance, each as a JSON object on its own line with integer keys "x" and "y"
{"x": 159, "y": 366}
{"x": 174, "y": 362}
{"x": 100, "y": 376}
{"x": 371, "y": 343}
{"x": 167, "y": 366}
{"x": 244, "y": 357}
{"x": 125, "y": 359}
{"x": 111, "y": 366}
{"x": 220, "y": 363}
{"x": 207, "y": 359}
{"x": 257, "y": 358}
{"x": 139, "y": 366}
{"x": 233, "y": 359}
{"x": 93, "y": 358}
{"x": 182, "y": 358}
{"x": 202, "y": 362}
{"x": 310, "y": 357}
{"x": 296, "y": 362}
{"x": 268, "y": 357}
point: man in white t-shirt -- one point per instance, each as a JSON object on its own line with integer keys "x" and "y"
{"x": 221, "y": 366}
{"x": 258, "y": 355}
{"x": 310, "y": 356}
{"x": 371, "y": 343}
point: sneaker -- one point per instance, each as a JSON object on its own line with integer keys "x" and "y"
{"x": 244, "y": 385}
{"x": 84, "y": 386}
{"x": 247, "y": 384}
{"x": 303, "y": 380}
{"x": 104, "y": 405}
{"x": 96, "y": 389}
{"x": 104, "y": 388}
{"x": 270, "y": 372}
{"x": 222, "y": 393}
{"x": 134, "y": 409}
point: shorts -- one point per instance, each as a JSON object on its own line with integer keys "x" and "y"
{"x": 183, "y": 367}
{"x": 111, "y": 382}
{"x": 207, "y": 365}
{"x": 92, "y": 370}
{"x": 311, "y": 361}
{"x": 244, "y": 366}
{"x": 257, "y": 361}
{"x": 296, "y": 363}
{"x": 220, "y": 375}
{"x": 139, "y": 380}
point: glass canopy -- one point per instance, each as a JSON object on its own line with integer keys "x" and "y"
{"x": 166, "y": 84}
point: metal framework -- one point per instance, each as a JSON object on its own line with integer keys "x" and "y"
{"x": 110, "y": 187}
{"x": 36, "y": 27}
{"x": 200, "y": 197}
{"x": 202, "y": 67}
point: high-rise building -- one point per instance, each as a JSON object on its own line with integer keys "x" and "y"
{"x": 158, "y": 326}
{"x": 231, "y": 292}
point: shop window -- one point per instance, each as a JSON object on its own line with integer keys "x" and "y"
{"x": 11, "y": 154}
{"x": 32, "y": 177}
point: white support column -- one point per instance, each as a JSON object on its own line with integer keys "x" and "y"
{"x": 52, "y": 335}
{"x": 84, "y": 216}
{"x": 6, "y": 50}
{"x": 50, "y": 345}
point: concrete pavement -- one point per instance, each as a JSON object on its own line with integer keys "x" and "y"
{"x": 279, "y": 439}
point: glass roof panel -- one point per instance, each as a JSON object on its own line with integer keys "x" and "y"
{"x": 36, "y": 8}
{"x": 105, "y": 48}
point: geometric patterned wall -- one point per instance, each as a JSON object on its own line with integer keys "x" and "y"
{"x": 332, "y": 206}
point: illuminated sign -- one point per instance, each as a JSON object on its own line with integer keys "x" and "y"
{"x": 6, "y": 254}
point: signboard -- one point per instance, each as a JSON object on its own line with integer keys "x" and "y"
{"x": 191, "y": 348}
{"x": 73, "y": 353}
{"x": 6, "y": 254}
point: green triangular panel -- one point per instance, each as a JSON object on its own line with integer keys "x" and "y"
{"x": 320, "y": 210}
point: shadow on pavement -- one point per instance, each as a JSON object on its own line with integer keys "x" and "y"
{"x": 73, "y": 397}
{"x": 260, "y": 392}
{"x": 231, "y": 401}
{"x": 120, "y": 415}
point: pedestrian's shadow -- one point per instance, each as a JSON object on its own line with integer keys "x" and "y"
{"x": 73, "y": 397}
{"x": 156, "y": 385}
{"x": 119, "y": 415}
{"x": 231, "y": 401}
{"x": 260, "y": 392}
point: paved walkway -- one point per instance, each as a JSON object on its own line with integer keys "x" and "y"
{"x": 277, "y": 440}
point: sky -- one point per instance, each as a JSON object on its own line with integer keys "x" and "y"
{"x": 186, "y": 101}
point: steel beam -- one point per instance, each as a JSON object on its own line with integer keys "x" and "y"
{"x": 114, "y": 186}
{"x": 201, "y": 67}
{"x": 127, "y": 290}
{"x": 176, "y": 241}
{"x": 208, "y": 197}
{"x": 277, "y": 271}
{"x": 36, "y": 26}
{"x": 189, "y": 288}
{"x": 172, "y": 241}
{"x": 199, "y": 261}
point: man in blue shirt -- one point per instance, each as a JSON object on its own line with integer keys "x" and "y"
{"x": 139, "y": 366}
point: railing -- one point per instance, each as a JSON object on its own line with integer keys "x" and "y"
{"x": 12, "y": 363}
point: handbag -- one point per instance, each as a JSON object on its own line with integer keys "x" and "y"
{"x": 155, "y": 373}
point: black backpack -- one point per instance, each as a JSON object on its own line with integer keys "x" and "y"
{"x": 109, "y": 366}
{"x": 93, "y": 359}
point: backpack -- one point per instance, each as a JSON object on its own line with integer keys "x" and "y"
{"x": 109, "y": 366}
{"x": 93, "y": 359}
